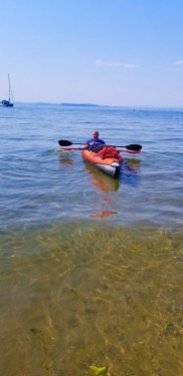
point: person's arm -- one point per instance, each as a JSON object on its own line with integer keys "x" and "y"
{"x": 86, "y": 145}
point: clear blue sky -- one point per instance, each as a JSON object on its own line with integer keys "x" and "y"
{"x": 115, "y": 52}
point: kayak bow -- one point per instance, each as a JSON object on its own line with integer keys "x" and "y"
{"x": 109, "y": 164}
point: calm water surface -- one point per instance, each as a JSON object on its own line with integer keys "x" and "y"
{"x": 91, "y": 267}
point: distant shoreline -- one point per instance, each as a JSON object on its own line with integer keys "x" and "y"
{"x": 95, "y": 106}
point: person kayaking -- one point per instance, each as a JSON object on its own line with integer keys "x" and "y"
{"x": 95, "y": 143}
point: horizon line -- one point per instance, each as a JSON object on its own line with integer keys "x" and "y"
{"x": 86, "y": 104}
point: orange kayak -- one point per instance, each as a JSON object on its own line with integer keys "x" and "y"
{"x": 108, "y": 160}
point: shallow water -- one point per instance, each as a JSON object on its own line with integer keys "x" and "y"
{"x": 91, "y": 267}
{"x": 69, "y": 302}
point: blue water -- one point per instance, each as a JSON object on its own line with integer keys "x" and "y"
{"x": 39, "y": 184}
{"x": 90, "y": 266}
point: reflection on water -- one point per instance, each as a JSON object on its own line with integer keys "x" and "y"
{"x": 81, "y": 295}
{"x": 101, "y": 181}
{"x": 130, "y": 169}
{"x": 107, "y": 186}
{"x": 132, "y": 164}
{"x": 104, "y": 184}
{"x": 65, "y": 159}
{"x": 103, "y": 214}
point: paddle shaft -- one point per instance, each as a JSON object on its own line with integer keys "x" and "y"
{"x": 132, "y": 147}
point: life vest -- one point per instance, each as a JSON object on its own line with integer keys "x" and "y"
{"x": 108, "y": 152}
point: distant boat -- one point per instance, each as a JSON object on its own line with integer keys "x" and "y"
{"x": 8, "y": 102}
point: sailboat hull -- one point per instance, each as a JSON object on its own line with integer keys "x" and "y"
{"x": 6, "y": 103}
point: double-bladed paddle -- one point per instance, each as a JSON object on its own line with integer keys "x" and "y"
{"x": 131, "y": 147}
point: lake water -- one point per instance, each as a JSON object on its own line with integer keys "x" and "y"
{"x": 91, "y": 267}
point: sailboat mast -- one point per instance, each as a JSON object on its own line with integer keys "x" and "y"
{"x": 10, "y": 91}
{"x": 9, "y": 85}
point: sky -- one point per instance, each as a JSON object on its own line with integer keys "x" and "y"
{"x": 107, "y": 52}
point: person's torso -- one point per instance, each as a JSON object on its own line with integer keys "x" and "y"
{"x": 94, "y": 143}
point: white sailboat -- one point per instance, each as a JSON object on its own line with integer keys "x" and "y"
{"x": 8, "y": 102}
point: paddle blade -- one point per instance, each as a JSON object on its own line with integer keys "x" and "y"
{"x": 134, "y": 147}
{"x": 64, "y": 143}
